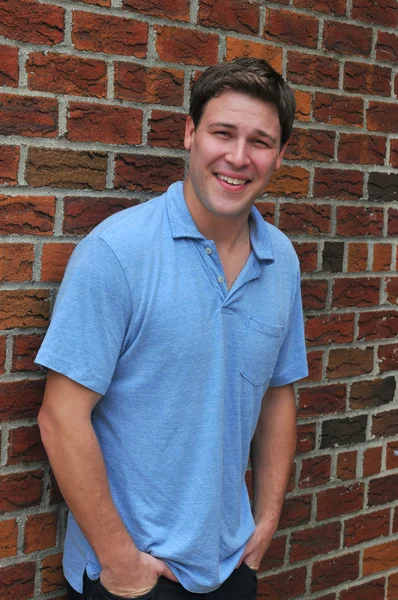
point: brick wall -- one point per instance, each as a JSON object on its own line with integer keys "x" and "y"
{"x": 92, "y": 104}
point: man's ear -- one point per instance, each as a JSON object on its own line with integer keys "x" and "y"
{"x": 189, "y": 133}
{"x": 280, "y": 157}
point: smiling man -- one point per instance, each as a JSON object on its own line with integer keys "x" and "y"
{"x": 175, "y": 339}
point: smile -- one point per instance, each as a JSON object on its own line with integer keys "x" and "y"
{"x": 231, "y": 180}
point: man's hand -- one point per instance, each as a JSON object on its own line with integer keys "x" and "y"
{"x": 257, "y": 546}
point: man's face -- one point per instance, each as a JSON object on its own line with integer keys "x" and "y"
{"x": 233, "y": 152}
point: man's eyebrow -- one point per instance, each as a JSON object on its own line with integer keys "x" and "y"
{"x": 258, "y": 132}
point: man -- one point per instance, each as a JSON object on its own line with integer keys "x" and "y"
{"x": 175, "y": 339}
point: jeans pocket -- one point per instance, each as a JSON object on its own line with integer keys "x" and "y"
{"x": 101, "y": 593}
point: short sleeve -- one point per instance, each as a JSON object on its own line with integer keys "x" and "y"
{"x": 292, "y": 359}
{"x": 90, "y": 318}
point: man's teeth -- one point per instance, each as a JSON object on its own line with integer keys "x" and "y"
{"x": 231, "y": 180}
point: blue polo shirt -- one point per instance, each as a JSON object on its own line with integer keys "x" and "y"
{"x": 144, "y": 317}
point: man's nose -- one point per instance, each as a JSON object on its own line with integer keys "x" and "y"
{"x": 238, "y": 154}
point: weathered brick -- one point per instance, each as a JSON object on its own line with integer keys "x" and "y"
{"x": 362, "y": 149}
{"x": 142, "y": 84}
{"x": 362, "y": 78}
{"x": 8, "y": 538}
{"x": 267, "y": 210}
{"x": 344, "y": 432}
{"x": 176, "y": 10}
{"x": 382, "y": 12}
{"x": 9, "y": 160}
{"x": 52, "y": 574}
{"x": 332, "y": 257}
{"x": 366, "y": 527}
{"x": 337, "y": 183}
{"x": 305, "y": 438}
{"x": 187, "y": 46}
{"x": 371, "y": 590}
{"x": 65, "y": 74}
{"x": 366, "y": 394}
{"x": 310, "y": 69}
{"x": 392, "y": 455}
{"x": 16, "y": 262}
{"x": 383, "y": 490}
{"x": 315, "y": 471}
{"x": 2, "y": 355}
{"x": 338, "y": 110}
{"x": 345, "y": 38}
{"x": 31, "y": 21}
{"x": 314, "y": 366}
{"x": 364, "y": 291}
{"x": 340, "y": 500}
{"x": 346, "y": 467}
{"x": 393, "y": 223}
{"x": 357, "y": 257}
{"x": 307, "y": 253}
{"x": 314, "y": 293}
{"x": 66, "y": 168}
{"x": 296, "y": 511}
{"x": 237, "y": 48}
{"x": 20, "y": 490}
{"x": 109, "y": 34}
{"x": 289, "y": 181}
{"x": 385, "y": 424}
{"x": 147, "y": 173}
{"x": 309, "y": 543}
{"x": 20, "y": 399}
{"x": 55, "y": 493}
{"x": 387, "y": 46}
{"x": 378, "y": 325}
{"x": 26, "y": 215}
{"x": 289, "y": 27}
{"x": 394, "y": 152}
{"x": 325, "y": 329}
{"x": 334, "y": 571}
{"x": 95, "y": 2}
{"x": 382, "y": 116}
{"x": 322, "y": 399}
{"x": 383, "y": 187}
{"x": 275, "y": 555}
{"x": 392, "y": 587}
{"x": 372, "y": 461}
{"x": 102, "y": 123}
{"x": 311, "y": 144}
{"x": 359, "y": 220}
{"x": 9, "y": 69}
{"x": 40, "y": 532}
{"x": 350, "y": 362}
{"x": 303, "y": 105}
{"x": 24, "y": 308}
{"x": 380, "y": 558}
{"x": 28, "y": 116}
{"x": 25, "y": 446}
{"x": 232, "y": 15}
{"x": 54, "y": 260}
{"x": 284, "y": 585}
{"x": 387, "y": 355}
{"x": 166, "y": 129}
{"x": 332, "y": 7}
{"x": 83, "y": 213}
{"x": 18, "y": 581}
{"x": 308, "y": 218}
{"x": 24, "y": 352}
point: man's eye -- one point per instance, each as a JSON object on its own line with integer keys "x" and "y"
{"x": 261, "y": 143}
{"x": 223, "y": 133}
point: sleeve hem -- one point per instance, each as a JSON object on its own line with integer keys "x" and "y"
{"x": 55, "y": 364}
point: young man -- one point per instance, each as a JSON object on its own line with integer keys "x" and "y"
{"x": 175, "y": 339}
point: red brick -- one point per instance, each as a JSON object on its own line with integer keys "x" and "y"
{"x": 338, "y": 329}
{"x": 31, "y": 21}
{"x": 284, "y": 585}
{"x": 155, "y": 85}
{"x": 64, "y": 74}
{"x": 337, "y": 183}
{"x": 334, "y": 571}
{"x": 385, "y": 424}
{"x": 237, "y": 48}
{"x": 350, "y": 362}
{"x": 382, "y": 12}
{"x": 366, "y": 527}
{"x": 9, "y": 65}
{"x": 17, "y": 581}
{"x": 66, "y": 168}
{"x": 320, "y": 400}
{"x": 16, "y": 262}
{"x": 8, "y": 538}
{"x": 166, "y": 129}
{"x": 371, "y": 590}
{"x": 106, "y": 124}
{"x": 55, "y": 493}
{"x": 394, "y": 153}
{"x": 363, "y": 291}
{"x": 392, "y": 290}
{"x": 83, "y": 213}
{"x": 28, "y": 116}
{"x": 338, "y": 110}
{"x": 187, "y": 46}
{"x": 275, "y": 555}
{"x": 393, "y": 224}
{"x": 392, "y": 587}
{"x": 309, "y": 69}
{"x": 176, "y": 10}
{"x": 267, "y": 210}
{"x": 392, "y": 455}
{"x": 54, "y": 260}
{"x": 357, "y": 257}
{"x": 109, "y": 34}
{"x": 296, "y": 511}
{"x": 9, "y": 160}
{"x": 52, "y": 574}
{"x": 20, "y": 490}
{"x": 367, "y": 79}
{"x": 232, "y": 15}
{"x": 303, "y": 105}
{"x": 315, "y": 471}
{"x": 372, "y": 461}
{"x": 289, "y": 181}
{"x": 314, "y": 293}
{"x": 305, "y": 438}
{"x": 314, "y": 366}
{"x": 387, "y": 355}
{"x": 25, "y": 446}
{"x": 339, "y": 501}
{"x": 359, "y": 220}
{"x": 308, "y": 218}
{"x": 307, "y": 253}
{"x": 380, "y": 558}
{"x": 286, "y": 26}
{"x": 147, "y": 173}
{"x": 25, "y": 350}
{"x": 311, "y": 144}
{"x": 309, "y": 543}
{"x": 95, "y": 2}
{"x": 383, "y": 490}
{"x": 378, "y": 325}
{"x": 27, "y": 215}
{"x": 345, "y": 38}
{"x": 40, "y": 532}
{"x": 382, "y": 116}
{"x": 2, "y": 355}
{"x": 387, "y": 46}
{"x": 20, "y": 399}
{"x": 361, "y": 149}
{"x": 24, "y": 308}
{"x": 332, "y": 7}
{"x": 346, "y": 465}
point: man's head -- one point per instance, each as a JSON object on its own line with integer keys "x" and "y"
{"x": 250, "y": 76}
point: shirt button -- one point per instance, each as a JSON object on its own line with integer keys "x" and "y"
{"x": 220, "y": 279}
{"x": 208, "y": 250}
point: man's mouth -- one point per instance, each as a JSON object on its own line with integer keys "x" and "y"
{"x": 231, "y": 180}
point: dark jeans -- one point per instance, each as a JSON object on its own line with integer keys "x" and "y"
{"x": 240, "y": 585}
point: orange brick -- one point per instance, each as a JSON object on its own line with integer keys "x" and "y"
{"x": 289, "y": 181}
{"x": 393, "y": 587}
{"x": 357, "y": 257}
{"x": 27, "y": 215}
{"x": 188, "y": 46}
{"x": 9, "y": 160}
{"x": 380, "y": 558}
{"x": 54, "y": 260}
{"x": 16, "y": 262}
{"x": 237, "y": 48}
{"x": 303, "y": 105}
{"x": 382, "y": 257}
{"x": 8, "y": 538}
{"x": 40, "y": 532}
{"x": 24, "y": 308}
{"x": 106, "y": 124}
{"x": 52, "y": 575}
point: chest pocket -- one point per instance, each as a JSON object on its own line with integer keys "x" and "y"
{"x": 260, "y": 350}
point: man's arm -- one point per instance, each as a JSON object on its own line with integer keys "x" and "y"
{"x": 272, "y": 452}
{"x": 76, "y": 459}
